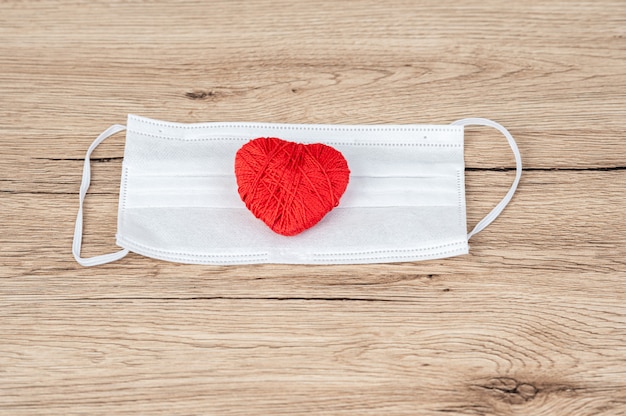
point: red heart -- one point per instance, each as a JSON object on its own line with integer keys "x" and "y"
{"x": 290, "y": 186}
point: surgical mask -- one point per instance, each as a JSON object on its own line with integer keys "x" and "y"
{"x": 179, "y": 199}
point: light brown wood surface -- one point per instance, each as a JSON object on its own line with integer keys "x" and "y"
{"x": 531, "y": 322}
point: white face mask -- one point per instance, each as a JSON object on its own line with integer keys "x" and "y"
{"x": 179, "y": 201}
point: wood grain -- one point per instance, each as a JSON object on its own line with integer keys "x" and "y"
{"x": 531, "y": 322}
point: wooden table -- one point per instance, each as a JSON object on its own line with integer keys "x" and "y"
{"x": 531, "y": 322}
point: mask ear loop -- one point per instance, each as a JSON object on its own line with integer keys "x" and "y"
{"x": 518, "y": 169}
{"x": 84, "y": 186}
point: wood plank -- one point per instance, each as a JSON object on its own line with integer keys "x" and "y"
{"x": 547, "y": 230}
{"x": 464, "y": 353}
{"x": 421, "y": 79}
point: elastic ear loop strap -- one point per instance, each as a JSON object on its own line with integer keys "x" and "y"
{"x": 84, "y": 186}
{"x": 518, "y": 169}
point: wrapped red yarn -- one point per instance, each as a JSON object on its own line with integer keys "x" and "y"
{"x": 290, "y": 186}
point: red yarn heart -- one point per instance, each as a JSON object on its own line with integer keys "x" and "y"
{"x": 290, "y": 186}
